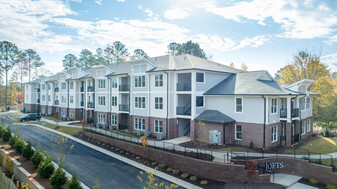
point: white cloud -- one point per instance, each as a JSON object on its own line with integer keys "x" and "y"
{"x": 140, "y": 7}
{"x": 298, "y": 20}
{"x": 331, "y": 61}
{"x": 149, "y": 12}
{"x": 121, "y": 0}
{"x": 99, "y": 2}
{"x": 175, "y": 13}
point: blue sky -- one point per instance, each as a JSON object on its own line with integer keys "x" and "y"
{"x": 262, "y": 34}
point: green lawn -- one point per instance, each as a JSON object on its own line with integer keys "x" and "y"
{"x": 52, "y": 118}
{"x": 67, "y": 130}
{"x": 323, "y": 145}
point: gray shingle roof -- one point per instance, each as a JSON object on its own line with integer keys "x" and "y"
{"x": 214, "y": 116}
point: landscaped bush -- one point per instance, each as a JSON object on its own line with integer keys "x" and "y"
{"x": 19, "y": 145}
{"x": 154, "y": 163}
{"x": 184, "y": 175}
{"x": 161, "y": 166}
{"x": 6, "y": 135}
{"x": 313, "y": 181}
{"x": 46, "y": 167}
{"x": 193, "y": 178}
{"x": 37, "y": 157}
{"x": 175, "y": 171}
{"x": 74, "y": 183}
{"x": 28, "y": 151}
{"x": 204, "y": 182}
{"x": 330, "y": 186}
{"x": 169, "y": 169}
{"x": 251, "y": 144}
{"x": 2, "y": 130}
{"x": 12, "y": 140}
{"x": 58, "y": 179}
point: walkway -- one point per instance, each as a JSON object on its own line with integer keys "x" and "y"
{"x": 289, "y": 181}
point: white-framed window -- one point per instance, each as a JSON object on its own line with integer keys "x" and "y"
{"x": 101, "y": 100}
{"x": 303, "y": 124}
{"x": 71, "y": 85}
{"x": 139, "y": 124}
{"x": 49, "y": 98}
{"x": 140, "y": 102}
{"x": 43, "y": 86}
{"x": 114, "y": 101}
{"x": 158, "y": 126}
{"x": 302, "y": 103}
{"x": 48, "y": 86}
{"x": 238, "y": 132}
{"x": 101, "y": 118}
{"x": 64, "y": 99}
{"x": 114, "y": 83}
{"x": 273, "y": 105}
{"x": 140, "y": 81}
{"x": 238, "y": 105}
{"x": 308, "y": 103}
{"x": 283, "y": 103}
{"x": 158, "y": 80}
{"x": 158, "y": 103}
{"x": 200, "y": 77}
{"x": 64, "y": 85}
{"x": 308, "y": 125}
{"x": 199, "y": 101}
{"x": 113, "y": 119}
{"x": 43, "y": 97}
{"x": 273, "y": 133}
{"x": 101, "y": 83}
{"x": 283, "y": 128}
{"x": 71, "y": 99}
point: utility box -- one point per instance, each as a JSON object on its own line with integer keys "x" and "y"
{"x": 215, "y": 137}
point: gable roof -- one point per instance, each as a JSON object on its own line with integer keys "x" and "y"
{"x": 214, "y": 116}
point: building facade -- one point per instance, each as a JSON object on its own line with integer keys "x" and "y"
{"x": 174, "y": 96}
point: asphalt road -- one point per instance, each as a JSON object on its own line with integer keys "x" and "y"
{"x": 89, "y": 164}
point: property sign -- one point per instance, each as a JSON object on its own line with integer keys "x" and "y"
{"x": 270, "y": 166}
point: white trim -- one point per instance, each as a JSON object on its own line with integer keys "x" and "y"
{"x": 308, "y": 125}
{"x": 271, "y": 106}
{"x": 236, "y": 105}
{"x": 272, "y": 134}
{"x": 236, "y": 131}
{"x": 154, "y": 126}
{"x": 305, "y": 125}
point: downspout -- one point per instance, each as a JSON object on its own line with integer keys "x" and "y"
{"x": 264, "y": 123}
{"x": 167, "y": 102}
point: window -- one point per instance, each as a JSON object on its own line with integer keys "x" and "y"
{"x": 158, "y": 103}
{"x": 283, "y": 103}
{"x": 63, "y": 112}
{"x": 71, "y": 85}
{"x": 43, "y": 98}
{"x": 64, "y": 100}
{"x": 308, "y": 103}
{"x": 238, "y": 105}
{"x": 101, "y": 83}
{"x": 114, "y": 101}
{"x": 238, "y": 132}
{"x": 101, "y": 118}
{"x": 139, "y": 124}
{"x": 273, "y": 105}
{"x": 303, "y": 127}
{"x": 113, "y": 119}
{"x": 200, "y": 101}
{"x": 101, "y": 100}
{"x": 114, "y": 83}
{"x": 273, "y": 133}
{"x": 43, "y": 86}
{"x": 48, "y": 98}
{"x": 302, "y": 103}
{"x": 140, "y": 81}
{"x": 308, "y": 125}
{"x": 140, "y": 102}
{"x": 158, "y": 126}
{"x": 158, "y": 80}
{"x": 283, "y": 128}
{"x": 64, "y": 85}
{"x": 71, "y": 100}
{"x": 48, "y": 86}
{"x": 200, "y": 77}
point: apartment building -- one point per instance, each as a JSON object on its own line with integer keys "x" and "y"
{"x": 173, "y": 96}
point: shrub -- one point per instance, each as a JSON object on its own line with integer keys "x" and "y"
{"x": 169, "y": 169}
{"x": 313, "y": 181}
{"x": 204, "y": 182}
{"x": 6, "y": 135}
{"x": 251, "y": 144}
{"x": 28, "y": 151}
{"x": 154, "y": 163}
{"x": 193, "y": 178}
{"x": 327, "y": 133}
{"x": 2, "y": 130}
{"x": 161, "y": 166}
{"x": 175, "y": 171}
{"x": 74, "y": 183}
{"x": 184, "y": 175}
{"x": 330, "y": 186}
{"x": 37, "y": 157}
{"x": 12, "y": 140}
{"x": 46, "y": 168}
{"x": 58, "y": 179}
{"x": 19, "y": 145}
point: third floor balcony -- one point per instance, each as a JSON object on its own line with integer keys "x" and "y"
{"x": 294, "y": 112}
{"x": 124, "y": 87}
{"x": 91, "y": 88}
{"x": 124, "y": 107}
{"x": 56, "y": 102}
{"x": 183, "y": 86}
{"x": 56, "y": 89}
{"x": 91, "y": 105}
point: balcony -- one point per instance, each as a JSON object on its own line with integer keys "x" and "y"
{"x": 82, "y": 89}
{"x": 38, "y": 101}
{"x": 56, "y": 102}
{"x": 294, "y": 112}
{"x": 91, "y": 105}
{"x": 56, "y": 89}
{"x": 283, "y": 113}
{"x": 183, "y": 86}
{"x": 124, "y": 87}
{"x": 186, "y": 110}
{"x": 91, "y": 89}
{"x": 82, "y": 103}
{"x": 124, "y": 107}
{"x": 38, "y": 90}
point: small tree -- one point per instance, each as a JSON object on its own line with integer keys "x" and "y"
{"x": 6, "y": 135}
{"x": 46, "y": 167}
{"x": 74, "y": 183}
{"x": 37, "y": 157}
{"x": 19, "y": 145}
{"x": 62, "y": 148}
{"x": 58, "y": 179}
{"x": 28, "y": 151}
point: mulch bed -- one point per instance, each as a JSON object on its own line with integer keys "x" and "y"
{"x": 211, "y": 184}
{"x": 307, "y": 182}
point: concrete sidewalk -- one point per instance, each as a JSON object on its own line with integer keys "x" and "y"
{"x": 289, "y": 181}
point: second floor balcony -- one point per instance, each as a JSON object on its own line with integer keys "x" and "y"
{"x": 91, "y": 89}
{"x": 124, "y": 87}
{"x": 183, "y": 86}
{"x": 294, "y": 112}
{"x": 56, "y": 89}
{"x": 82, "y": 103}
{"x": 38, "y": 101}
{"x": 124, "y": 107}
{"x": 283, "y": 113}
{"x": 81, "y": 89}
{"x": 186, "y": 110}
{"x": 91, "y": 105}
{"x": 38, "y": 90}
{"x": 56, "y": 102}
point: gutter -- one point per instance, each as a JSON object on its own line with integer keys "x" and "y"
{"x": 167, "y": 102}
{"x": 264, "y": 123}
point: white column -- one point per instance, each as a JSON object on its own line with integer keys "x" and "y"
{"x": 193, "y": 95}
{"x": 288, "y": 109}
{"x": 267, "y": 110}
